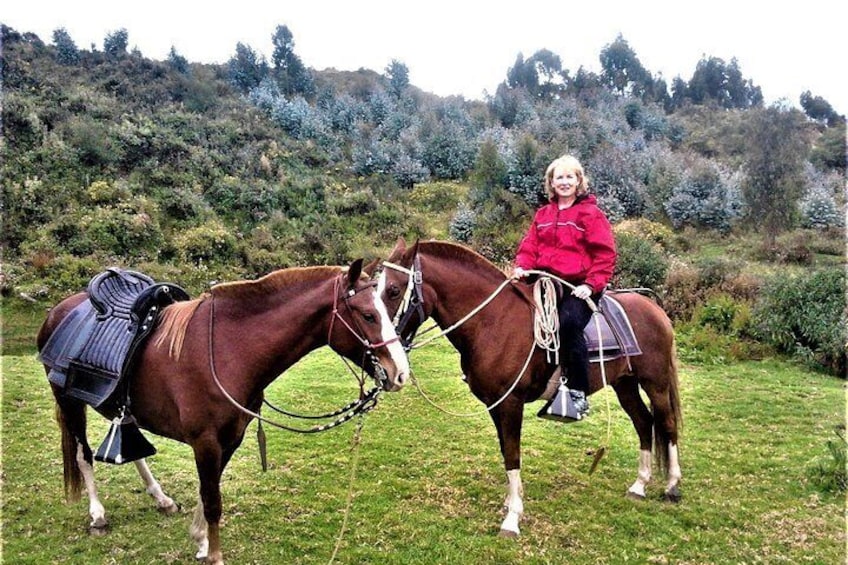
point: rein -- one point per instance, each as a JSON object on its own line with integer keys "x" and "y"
{"x": 366, "y": 402}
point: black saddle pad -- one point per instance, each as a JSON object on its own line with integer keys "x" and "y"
{"x": 91, "y": 350}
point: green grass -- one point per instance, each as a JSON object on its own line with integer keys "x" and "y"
{"x": 428, "y": 487}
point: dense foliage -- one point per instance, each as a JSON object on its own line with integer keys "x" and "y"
{"x": 209, "y": 172}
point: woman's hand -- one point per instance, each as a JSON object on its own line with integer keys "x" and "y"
{"x": 582, "y": 292}
{"x": 518, "y": 273}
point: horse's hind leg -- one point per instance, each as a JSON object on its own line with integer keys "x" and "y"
{"x": 164, "y": 503}
{"x": 627, "y": 390}
{"x": 78, "y": 460}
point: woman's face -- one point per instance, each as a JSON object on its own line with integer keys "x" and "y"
{"x": 564, "y": 182}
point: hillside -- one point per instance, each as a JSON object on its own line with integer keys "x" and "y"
{"x": 201, "y": 173}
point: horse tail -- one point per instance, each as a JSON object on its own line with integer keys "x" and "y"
{"x": 72, "y": 473}
{"x": 663, "y": 436}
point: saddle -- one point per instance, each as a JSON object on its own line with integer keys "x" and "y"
{"x": 617, "y": 337}
{"x": 91, "y": 352}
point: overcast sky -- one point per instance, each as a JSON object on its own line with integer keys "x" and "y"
{"x": 455, "y": 47}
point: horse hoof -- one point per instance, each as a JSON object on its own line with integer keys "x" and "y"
{"x": 169, "y": 510}
{"x": 98, "y": 531}
{"x": 634, "y": 496}
{"x": 673, "y": 496}
{"x": 507, "y": 534}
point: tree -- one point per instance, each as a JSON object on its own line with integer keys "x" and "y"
{"x": 66, "y": 50}
{"x": 773, "y": 168}
{"x": 622, "y": 70}
{"x": 246, "y": 68}
{"x": 817, "y": 108}
{"x": 714, "y": 80}
{"x": 541, "y": 75}
{"x": 115, "y": 43}
{"x": 178, "y": 62}
{"x": 829, "y": 151}
{"x": 398, "y": 76}
{"x": 290, "y": 72}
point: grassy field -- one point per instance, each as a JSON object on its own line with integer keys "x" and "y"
{"x": 428, "y": 487}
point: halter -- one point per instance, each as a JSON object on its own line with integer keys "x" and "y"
{"x": 366, "y": 402}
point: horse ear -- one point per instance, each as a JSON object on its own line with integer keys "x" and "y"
{"x": 370, "y": 267}
{"x": 412, "y": 251}
{"x": 400, "y": 248}
{"x": 353, "y": 272}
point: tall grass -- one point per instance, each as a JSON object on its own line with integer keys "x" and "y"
{"x": 428, "y": 487}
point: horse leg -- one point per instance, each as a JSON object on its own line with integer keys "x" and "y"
{"x": 164, "y": 503}
{"x": 666, "y": 407}
{"x": 78, "y": 461}
{"x": 198, "y": 531}
{"x": 627, "y": 390}
{"x": 508, "y": 418}
{"x": 96, "y": 510}
{"x": 205, "y": 527}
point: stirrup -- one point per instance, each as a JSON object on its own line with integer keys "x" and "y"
{"x": 561, "y": 407}
{"x": 124, "y": 442}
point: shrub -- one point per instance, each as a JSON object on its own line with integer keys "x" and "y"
{"x": 463, "y": 223}
{"x": 640, "y": 262}
{"x": 805, "y": 315}
{"x": 828, "y": 472}
{"x": 211, "y": 242}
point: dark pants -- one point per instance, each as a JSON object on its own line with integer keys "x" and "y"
{"x": 574, "y": 314}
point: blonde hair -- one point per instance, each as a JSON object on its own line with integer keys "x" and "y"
{"x": 569, "y": 163}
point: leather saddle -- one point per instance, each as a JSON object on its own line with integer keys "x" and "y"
{"x": 91, "y": 352}
{"x": 617, "y": 336}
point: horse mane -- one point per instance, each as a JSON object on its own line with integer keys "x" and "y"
{"x": 174, "y": 319}
{"x": 467, "y": 256}
{"x": 274, "y": 282}
{"x": 173, "y": 322}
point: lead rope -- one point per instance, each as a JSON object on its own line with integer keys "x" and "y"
{"x": 354, "y": 465}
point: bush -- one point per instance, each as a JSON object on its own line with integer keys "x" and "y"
{"x": 211, "y": 242}
{"x": 805, "y": 315}
{"x": 828, "y": 472}
{"x": 640, "y": 262}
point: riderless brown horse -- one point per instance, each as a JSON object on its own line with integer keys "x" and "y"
{"x": 242, "y": 335}
{"x": 448, "y": 282}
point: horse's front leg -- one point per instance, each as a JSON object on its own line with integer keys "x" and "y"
{"x": 99, "y": 524}
{"x": 508, "y": 418}
{"x": 205, "y": 528}
{"x": 164, "y": 503}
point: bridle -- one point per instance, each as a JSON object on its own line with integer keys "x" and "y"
{"x": 412, "y": 303}
{"x": 367, "y": 401}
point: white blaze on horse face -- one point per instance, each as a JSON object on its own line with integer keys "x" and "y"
{"x": 395, "y": 348}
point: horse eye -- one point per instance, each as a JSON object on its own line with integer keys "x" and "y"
{"x": 370, "y": 318}
{"x": 393, "y": 292}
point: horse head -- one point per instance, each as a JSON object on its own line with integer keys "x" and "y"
{"x": 365, "y": 329}
{"x": 401, "y": 286}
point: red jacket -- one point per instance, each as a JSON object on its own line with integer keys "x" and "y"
{"x": 575, "y": 243}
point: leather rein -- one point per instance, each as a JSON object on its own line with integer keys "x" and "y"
{"x": 367, "y": 400}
